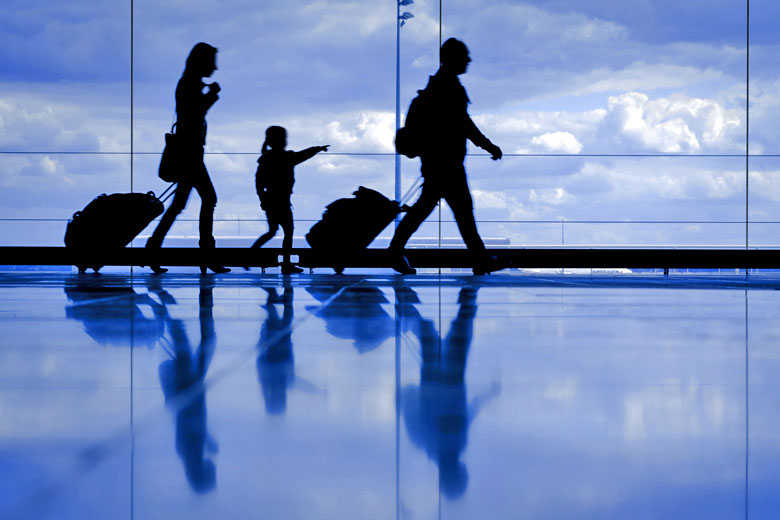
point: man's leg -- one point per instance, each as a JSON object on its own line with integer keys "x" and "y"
{"x": 414, "y": 217}
{"x": 409, "y": 224}
{"x": 459, "y": 199}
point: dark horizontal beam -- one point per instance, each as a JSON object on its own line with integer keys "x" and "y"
{"x": 376, "y": 258}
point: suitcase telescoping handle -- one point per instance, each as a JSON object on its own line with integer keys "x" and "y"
{"x": 165, "y": 195}
{"x": 413, "y": 189}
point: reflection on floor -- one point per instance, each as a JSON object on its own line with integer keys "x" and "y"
{"x": 323, "y": 396}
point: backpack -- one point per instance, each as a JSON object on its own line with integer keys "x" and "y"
{"x": 410, "y": 139}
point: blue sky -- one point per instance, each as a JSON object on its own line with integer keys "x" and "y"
{"x": 556, "y": 76}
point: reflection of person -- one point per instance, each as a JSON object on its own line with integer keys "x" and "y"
{"x": 275, "y": 360}
{"x": 274, "y": 182}
{"x": 436, "y": 413}
{"x": 448, "y": 126}
{"x": 191, "y": 107}
{"x": 182, "y": 380}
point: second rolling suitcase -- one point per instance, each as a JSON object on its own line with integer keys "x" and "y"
{"x": 351, "y": 224}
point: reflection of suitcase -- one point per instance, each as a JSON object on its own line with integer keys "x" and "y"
{"x": 108, "y": 223}
{"x": 350, "y": 225}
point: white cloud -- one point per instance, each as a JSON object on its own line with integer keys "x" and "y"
{"x": 552, "y": 197}
{"x": 341, "y": 138}
{"x": 674, "y": 124}
{"x": 531, "y": 22}
{"x": 631, "y": 122}
{"x": 631, "y": 180}
{"x": 644, "y": 76}
{"x": 629, "y": 118}
{"x": 765, "y": 185}
{"x": 558, "y": 142}
{"x": 496, "y": 202}
{"x": 347, "y": 19}
{"x": 373, "y": 131}
{"x": 39, "y": 118}
{"x": 764, "y": 115}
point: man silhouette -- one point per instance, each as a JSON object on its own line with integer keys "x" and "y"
{"x": 437, "y": 412}
{"x": 447, "y": 125}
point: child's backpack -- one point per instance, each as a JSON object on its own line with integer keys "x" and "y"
{"x": 410, "y": 139}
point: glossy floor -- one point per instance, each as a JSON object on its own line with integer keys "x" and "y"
{"x": 317, "y": 396}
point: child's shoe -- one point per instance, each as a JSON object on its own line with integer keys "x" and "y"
{"x": 289, "y": 268}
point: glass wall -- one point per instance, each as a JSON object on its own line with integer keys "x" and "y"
{"x": 620, "y": 126}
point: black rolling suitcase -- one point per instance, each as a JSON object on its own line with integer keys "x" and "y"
{"x": 350, "y": 225}
{"x": 110, "y": 222}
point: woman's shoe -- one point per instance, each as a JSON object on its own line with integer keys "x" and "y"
{"x": 288, "y": 268}
{"x": 401, "y": 264}
{"x": 218, "y": 269}
{"x": 155, "y": 244}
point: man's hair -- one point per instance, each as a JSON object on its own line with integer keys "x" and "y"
{"x": 452, "y": 49}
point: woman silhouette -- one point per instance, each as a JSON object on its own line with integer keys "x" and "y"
{"x": 191, "y": 107}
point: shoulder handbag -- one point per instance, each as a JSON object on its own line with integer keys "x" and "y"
{"x": 169, "y": 170}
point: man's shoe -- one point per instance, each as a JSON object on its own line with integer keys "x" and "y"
{"x": 401, "y": 265}
{"x": 487, "y": 266}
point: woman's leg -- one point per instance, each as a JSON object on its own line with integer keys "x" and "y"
{"x": 208, "y": 201}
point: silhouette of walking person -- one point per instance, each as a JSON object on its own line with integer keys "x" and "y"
{"x": 191, "y": 107}
{"x": 447, "y": 126}
{"x": 274, "y": 181}
{"x": 437, "y": 413}
{"x": 183, "y": 382}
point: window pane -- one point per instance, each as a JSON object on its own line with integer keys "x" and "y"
{"x": 65, "y": 92}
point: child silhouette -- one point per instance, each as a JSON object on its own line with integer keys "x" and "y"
{"x": 274, "y": 182}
